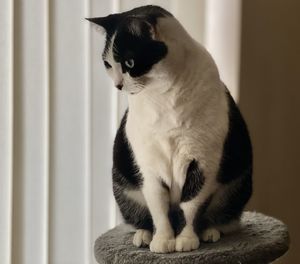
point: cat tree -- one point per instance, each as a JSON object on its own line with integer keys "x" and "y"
{"x": 262, "y": 239}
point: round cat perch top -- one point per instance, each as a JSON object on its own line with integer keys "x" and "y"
{"x": 262, "y": 239}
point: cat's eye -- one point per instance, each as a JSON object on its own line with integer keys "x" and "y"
{"x": 129, "y": 63}
{"x": 107, "y": 65}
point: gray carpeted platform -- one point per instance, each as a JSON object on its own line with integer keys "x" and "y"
{"x": 262, "y": 239}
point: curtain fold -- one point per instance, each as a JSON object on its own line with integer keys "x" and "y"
{"x": 31, "y": 133}
{"x": 222, "y": 38}
{"x": 6, "y": 129}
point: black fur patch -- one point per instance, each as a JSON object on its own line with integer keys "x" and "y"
{"x": 132, "y": 212}
{"x": 233, "y": 203}
{"x": 193, "y": 182}
{"x": 221, "y": 210}
{"x": 176, "y": 218}
{"x": 126, "y": 176}
{"x": 126, "y": 171}
{"x": 235, "y": 176}
{"x": 201, "y": 222}
{"x": 237, "y": 150}
{"x": 141, "y": 48}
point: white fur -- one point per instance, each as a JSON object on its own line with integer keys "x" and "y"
{"x": 99, "y": 28}
{"x": 136, "y": 195}
{"x": 162, "y": 243}
{"x": 211, "y": 235}
{"x": 181, "y": 115}
{"x": 187, "y": 240}
{"x": 186, "y": 243}
{"x": 142, "y": 237}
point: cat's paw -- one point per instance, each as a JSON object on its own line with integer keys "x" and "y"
{"x": 211, "y": 235}
{"x": 187, "y": 243}
{"x": 142, "y": 237}
{"x": 162, "y": 244}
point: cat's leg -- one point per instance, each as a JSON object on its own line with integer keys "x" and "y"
{"x": 223, "y": 211}
{"x": 188, "y": 240}
{"x": 211, "y": 235}
{"x": 193, "y": 190}
{"x": 157, "y": 199}
{"x": 142, "y": 237}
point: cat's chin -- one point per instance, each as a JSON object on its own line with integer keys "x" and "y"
{"x": 131, "y": 91}
{"x": 134, "y": 93}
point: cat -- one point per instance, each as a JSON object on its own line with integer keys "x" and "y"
{"x": 182, "y": 161}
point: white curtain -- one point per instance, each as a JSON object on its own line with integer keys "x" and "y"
{"x": 58, "y": 117}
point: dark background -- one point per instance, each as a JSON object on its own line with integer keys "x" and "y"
{"x": 270, "y": 100}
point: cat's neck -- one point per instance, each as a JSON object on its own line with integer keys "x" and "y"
{"x": 193, "y": 82}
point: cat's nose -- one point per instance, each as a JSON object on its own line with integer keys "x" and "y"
{"x": 119, "y": 86}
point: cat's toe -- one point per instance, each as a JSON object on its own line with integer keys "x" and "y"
{"x": 142, "y": 237}
{"x": 162, "y": 244}
{"x": 187, "y": 243}
{"x": 211, "y": 235}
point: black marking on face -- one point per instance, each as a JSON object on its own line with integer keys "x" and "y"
{"x": 107, "y": 46}
{"x": 107, "y": 65}
{"x": 141, "y": 48}
{"x": 193, "y": 183}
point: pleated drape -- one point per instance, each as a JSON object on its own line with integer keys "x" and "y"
{"x": 57, "y": 128}
{"x": 6, "y": 129}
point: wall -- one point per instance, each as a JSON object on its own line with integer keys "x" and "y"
{"x": 269, "y": 100}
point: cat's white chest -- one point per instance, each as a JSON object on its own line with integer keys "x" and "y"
{"x": 166, "y": 139}
{"x": 160, "y": 141}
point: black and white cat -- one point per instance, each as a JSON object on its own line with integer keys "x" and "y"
{"x": 182, "y": 155}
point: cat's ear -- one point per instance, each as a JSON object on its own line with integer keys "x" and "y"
{"x": 141, "y": 27}
{"x": 108, "y": 23}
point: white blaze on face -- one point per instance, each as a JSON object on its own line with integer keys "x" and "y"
{"x": 115, "y": 72}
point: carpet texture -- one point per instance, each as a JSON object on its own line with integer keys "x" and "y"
{"x": 262, "y": 239}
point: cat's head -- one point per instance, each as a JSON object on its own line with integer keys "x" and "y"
{"x": 134, "y": 48}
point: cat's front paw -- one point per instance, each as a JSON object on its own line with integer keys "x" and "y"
{"x": 187, "y": 243}
{"x": 211, "y": 235}
{"x": 162, "y": 244}
{"x": 142, "y": 237}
